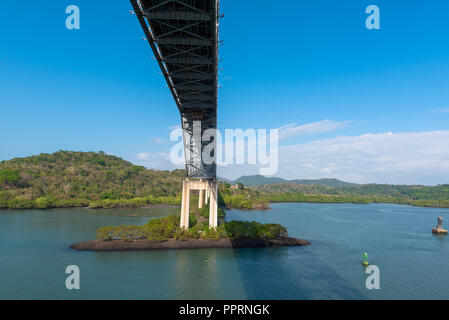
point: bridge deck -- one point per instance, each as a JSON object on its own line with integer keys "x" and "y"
{"x": 183, "y": 35}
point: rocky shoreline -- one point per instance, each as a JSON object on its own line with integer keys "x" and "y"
{"x": 139, "y": 245}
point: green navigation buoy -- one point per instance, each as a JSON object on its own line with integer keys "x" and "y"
{"x": 365, "y": 261}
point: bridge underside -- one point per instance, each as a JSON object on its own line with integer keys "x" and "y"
{"x": 183, "y": 35}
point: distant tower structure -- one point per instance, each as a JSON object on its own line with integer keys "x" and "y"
{"x": 440, "y": 222}
{"x": 439, "y": 228}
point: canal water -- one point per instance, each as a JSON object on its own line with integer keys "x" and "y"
{"x": 413, "y": 263}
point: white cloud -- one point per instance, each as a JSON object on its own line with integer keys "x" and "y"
{"x": 397, "y": 158}
{"x": 443, "y": 110}
{"x": 143, "y": 156}
{"x": 409, "y": 157}
{"x": 158, "y": 160}
{"x": 158, "y": 140}
{"x": 293, "y": 130}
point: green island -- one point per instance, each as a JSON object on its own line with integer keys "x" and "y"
{"x": 168, "y": 228}
{"x": 165, "y": 233}
{"x": 97, "y": 180}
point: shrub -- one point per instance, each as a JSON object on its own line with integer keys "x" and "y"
{"x": 9, "y": 177}
{"x": 44, "y": 203}
{"x": 204, "y": 211}
{"x": 4, "y": 198}
{"x": 128, "y": 233}
{"x": 246, "y": 229}
{"x": 273, "y": 230}
{"x": 105, "y": 233}
{"x": 181, "y": 234}
{"x": 20, "y": 202}
{"x": 72, "y": 203}
{"x": 168, "y": 228}
{"x": 212, "y": 234}
{"x": 162, "y": 229}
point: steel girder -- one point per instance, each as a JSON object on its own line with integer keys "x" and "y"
{"x": 183, "y": 35}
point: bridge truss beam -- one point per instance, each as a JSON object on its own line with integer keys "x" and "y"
{"x": 183, "y": 35}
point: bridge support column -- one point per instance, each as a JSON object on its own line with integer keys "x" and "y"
{"x": 206, "y": 200}
{"x": 213, "y": 207}
{"x": 201, "y": 198}
{"x": 185, "y": 205}
{"x": 204, "y": 186}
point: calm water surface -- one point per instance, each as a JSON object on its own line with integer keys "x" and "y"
{"x": 414, "y": 264}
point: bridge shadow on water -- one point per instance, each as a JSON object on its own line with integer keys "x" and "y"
{"x": 206, "y": 274}
{"x": 290, "y": 273}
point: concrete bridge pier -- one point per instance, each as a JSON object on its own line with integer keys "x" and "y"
{"x": 213, "y": 206}
{"x": 206, "y": 200}
{"x": 208, "y": 187}
{"x": 185, "y": 204}
{"x": 201, "y": 198}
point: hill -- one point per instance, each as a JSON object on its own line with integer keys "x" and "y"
{"x": 98, "y": 180}
{"x": 425, "y": 196}
{"x": 67, "y": 178}
{"x": 257, "y": 180}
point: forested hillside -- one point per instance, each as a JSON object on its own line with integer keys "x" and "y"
{"x": 427, "y": 196}
{"x": 258, "y": 180}
{"x": 67, "y": 178}
{"x": 98, "y": 180}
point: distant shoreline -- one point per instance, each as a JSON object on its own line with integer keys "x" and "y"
{"x": 149, "y": 206}
{"x": 158, "y": 205}
{"x": 68, "y": 179}
{"x": 162, "y": 205}
{"x": 142, "y": 245}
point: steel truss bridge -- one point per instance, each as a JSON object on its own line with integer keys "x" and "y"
{"x": 183, "y": 35}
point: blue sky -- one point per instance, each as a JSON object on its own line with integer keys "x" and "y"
{"x": 300, "y": 63}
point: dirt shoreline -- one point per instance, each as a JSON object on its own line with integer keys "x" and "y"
{"x": 139, "y": 245}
